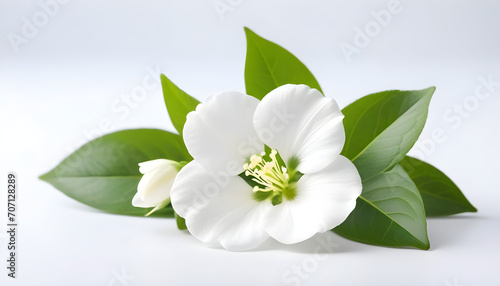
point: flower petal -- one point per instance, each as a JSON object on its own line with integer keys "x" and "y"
{"x": 220, "y": 133}
{"x": 139, "y": 203}
{"x": 324, "y": 200}
{"x": 148, "y": 166}
{"x": 219, "y": 210}
{"x": 300, "y": 122}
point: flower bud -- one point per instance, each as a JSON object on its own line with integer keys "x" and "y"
{"x": 154, "y": 188}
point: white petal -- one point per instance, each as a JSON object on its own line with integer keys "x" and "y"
{"x": 139, "y": 203}
{"x": 220, "y": 133}
{"x": 324, "y": 200}
{"x": 219, "y": 210}
{"x": 299, "y": 122}
{"x": 148, "y": 166}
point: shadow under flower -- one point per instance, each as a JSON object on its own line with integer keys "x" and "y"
{"x": 322, "y": 243}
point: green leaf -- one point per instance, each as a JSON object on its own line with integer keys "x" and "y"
{"x": 181, "y": 222}
{"x": 269, "y": 66}
{"x": 440, "y": 195}
{"x": 178, "y": 103}
{"x": 381, "y": 128}
{"x": 104, "y": 173}
{"x": 389, "y": 212}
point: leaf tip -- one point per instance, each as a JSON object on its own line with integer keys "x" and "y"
{"x": 431, "y": 90}
{"x": 44, "y": 177}
{"x": 249, "y": 32}
{"x": 164, "y": 80}
{"x": 425, "y": 246}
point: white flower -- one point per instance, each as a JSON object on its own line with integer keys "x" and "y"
{"x": 300, "y": 184}
{"x": 154, "y": 187}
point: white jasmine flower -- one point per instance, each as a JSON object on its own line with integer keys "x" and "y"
{"x": 287, "y": 146}
{"x": 154, "y": 187}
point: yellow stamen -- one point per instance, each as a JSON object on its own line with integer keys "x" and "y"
{"x": 271, "y": 176}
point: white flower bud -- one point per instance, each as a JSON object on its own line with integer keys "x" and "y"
{"x": 154, "y": 188}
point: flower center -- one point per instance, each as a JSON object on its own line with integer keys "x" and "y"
{"x": 272, "y": 180}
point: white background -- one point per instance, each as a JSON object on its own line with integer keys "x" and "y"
{"x": 72, "y": 72}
